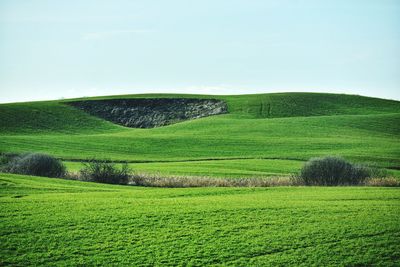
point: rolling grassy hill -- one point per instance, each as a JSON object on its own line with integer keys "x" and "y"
{"x": 48, "y": 222}
{"x": 267, "y": 134}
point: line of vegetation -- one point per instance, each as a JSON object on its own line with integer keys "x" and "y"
{"x": 190, "y": 181}
{"x": 142, "y": 179}
{"x": 327, "y": 171}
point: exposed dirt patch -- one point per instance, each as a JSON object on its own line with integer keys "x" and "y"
{"x": 151, "y": 112}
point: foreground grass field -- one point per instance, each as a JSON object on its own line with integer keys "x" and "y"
{"x": 281, "y": 127}
{"x": 51, "y": 222}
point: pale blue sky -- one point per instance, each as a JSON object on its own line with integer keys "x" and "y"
{"x": 52, "y": 49}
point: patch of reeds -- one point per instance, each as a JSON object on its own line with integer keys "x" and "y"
{"x": 383, "y": 182}
{"x": 154, "y": 180}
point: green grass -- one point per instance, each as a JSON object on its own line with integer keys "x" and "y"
{"x": 212, "y": 168}
{"x": 60, "y": 222}
{"x": 52, "y": 222}
{"x": 49, "y": 117}
{"x": 287, "y": 104}
{"x": 287, "y": 126}
{"x": 218, "y": 168}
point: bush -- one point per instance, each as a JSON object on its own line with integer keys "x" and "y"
{"x": 36, "y": 164}
{"x": 5, "y": 158}
{"x": 331, "y": 171}
{"x": 105, "y": 172}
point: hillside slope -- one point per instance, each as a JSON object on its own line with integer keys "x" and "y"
{"x": 291, "y": 126}
{"x": 56, "y": 116}
{"x": 49, "y": 117}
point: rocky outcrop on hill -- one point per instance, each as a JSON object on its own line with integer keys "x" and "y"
{"x": 151, "y": 112}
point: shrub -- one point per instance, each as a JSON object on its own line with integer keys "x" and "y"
{"x": 105, "y": 172}
{"x": 4, "y": 160}
{"x": 331, "y": 171}
{"x": 36, "y": 164}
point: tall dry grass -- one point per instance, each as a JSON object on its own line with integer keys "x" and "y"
{"x": 383, "y": 181}
{"x": 158, "y": 180}
{"x": 140, "y": 179}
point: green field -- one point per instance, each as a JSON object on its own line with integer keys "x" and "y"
{"x": 59, "y": 222}
{"x": 263, "y": 135}
{"x": 213, "y": 168}
{"x": 48, "y": 221}
{"x": 51, "y": 222}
